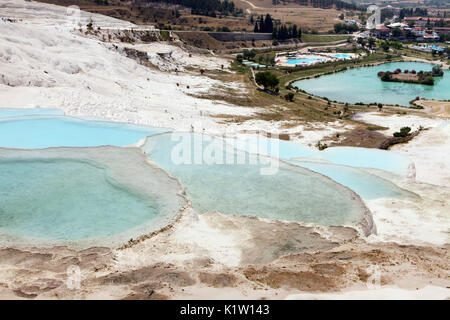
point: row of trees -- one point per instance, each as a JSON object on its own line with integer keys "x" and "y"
{"x": 206, "y": 7}
{"x": 279, "y": 32}
{"x": 263, "y": 25}
{"x": 345, "y": 28}
{"x": 284, "y": 32}
{"x": 413, "y": 12}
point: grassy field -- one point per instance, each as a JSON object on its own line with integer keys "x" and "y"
{"x": 305, "y": 109}
{"x": 323, "y": 38}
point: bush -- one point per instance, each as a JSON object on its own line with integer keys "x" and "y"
{"x": 267, "y": 79}
{"x": 429, "y": 80}
{"x": 404, "y": 132}
{"x": 249, "y": 54}
{"x": 386, "y": 76}
{"x": 321, "y": 146}
{"x": 289, "y": 97}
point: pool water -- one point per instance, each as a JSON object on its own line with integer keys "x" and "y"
{"x": 73, "y": 194}
{"x": 367, "y": 185}
{"x": 67, "y": 200}
{"x": 363, "y": 85}
{"x": 87, "y": 196}
{"x": 33, "y": 132}
{"x": 292, "y": 193}
{"x": 342, "y": 56}
{"x": 305, "y": 60}
{"x": 349, "y": 156}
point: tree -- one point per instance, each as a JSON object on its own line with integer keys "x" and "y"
{"x": 268, "y": 24}
{"x": 437, "y": 71}
{"x": 385, "y": 46}
{"x": 386, "y": 76}
{"x": 249, "y": 54}
{"x": 262, "y": 27}
{"x": 289, "y": 97}
{"x": 295, "y": 32}
{"x": 362, "y": 42}
{"x": 267, "y": 79}
{"x": 404, "y": 132}
{"x": 371, "y": 42}
{"x": 397, "y": 33}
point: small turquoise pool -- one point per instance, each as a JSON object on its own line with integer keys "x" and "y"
{"x": 348, "y": 156}
{"x": 342, "y": 56}
{"x": 305, "y": 60}
{"x": 367, "y": 185}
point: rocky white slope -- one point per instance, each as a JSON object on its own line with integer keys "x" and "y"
{"x": 48, "y": 66}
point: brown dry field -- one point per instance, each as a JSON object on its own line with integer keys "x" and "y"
{"x": 405, "y": 76}
{"x": 307, "y": 18}
{"x": 154, "y": 15}
{"x": 310, "y": 18}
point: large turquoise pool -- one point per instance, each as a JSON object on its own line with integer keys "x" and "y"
{"x": 363, "y": 85}
{"x": 94, "y": 196}
{"x": 389, "y": 161}
{"x": 67, "y": 200}
{"x": 291, "y": 193}
{"x": 38, "y": 131}
{"x": 77, "y": 194}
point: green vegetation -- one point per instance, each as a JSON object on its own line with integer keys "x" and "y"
{"x": 207, "y": 7}
{"x": 323, "y": 38}
{"x": 404, "y": 132}
{"x": 326, "y": 4}
{"x": 345, "y": 28}
{"x": 279, "y": 32}
{"x": 267, "y": 79}
{"x": 331, "y": 67}
{"x": 412, "y": 76}
{"x": 321, "y": 146}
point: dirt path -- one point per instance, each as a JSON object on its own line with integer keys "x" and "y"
{"x": 435, "y": 108}
{"x": 251, "y": 5}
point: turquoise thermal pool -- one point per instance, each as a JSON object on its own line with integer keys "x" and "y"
{"x": 33, "y": 132}
{"x": 349, "y": 156}
{"x": 61, "y": 196}
{"x": 367, "y": 185}
{"x": 107, "y": 195}
{"x": 363, "y": 85}
{"x": 289, "y": 193}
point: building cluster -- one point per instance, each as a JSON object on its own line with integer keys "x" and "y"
{"x": 419, "y": 29}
